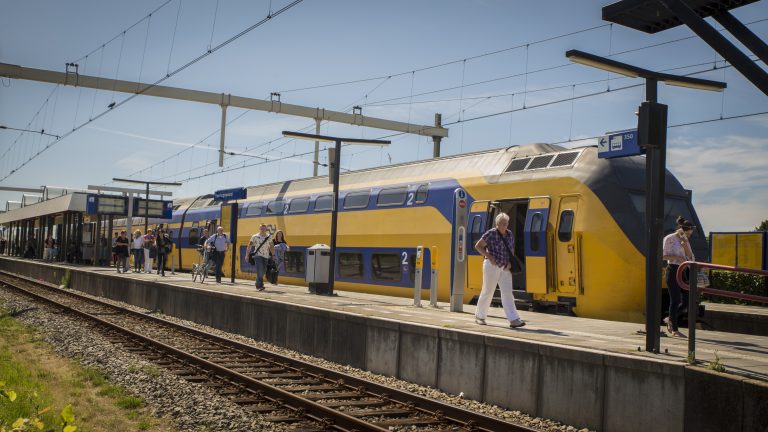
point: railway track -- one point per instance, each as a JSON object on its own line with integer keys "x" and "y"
{"x": 281, "y": 389}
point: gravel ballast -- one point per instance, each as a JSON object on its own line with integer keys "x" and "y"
{"x": 193, "y": 407}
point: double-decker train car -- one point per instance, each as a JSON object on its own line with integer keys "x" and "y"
{"x": 578, "y": 223}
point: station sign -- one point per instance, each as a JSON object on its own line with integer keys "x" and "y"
{"x": 106, "y": 205}
{"x": 158, "y": 209}
{"x": 230, "y": 194}
{"x": 618, "y": 144}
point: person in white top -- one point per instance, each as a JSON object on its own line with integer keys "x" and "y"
{"x": 259, "y": 249}
{"x": 137, "y": 247}
{"x": 677, "y": 250}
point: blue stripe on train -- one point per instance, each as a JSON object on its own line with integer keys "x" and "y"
{"x": 405, "y": 257}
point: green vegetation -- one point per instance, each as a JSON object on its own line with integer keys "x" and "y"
{"x": 736, "y": 282}
{"x": 716, "y": 365}
{"x": 40, "y": 391}
{"x": 66, "y": 278}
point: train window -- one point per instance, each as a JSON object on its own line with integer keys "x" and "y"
{"x": 298, "y": 205}
{"x": 476, "y": 229}
{"x": 536, "y": 220}
{"x": 324, "y": 203}
{"x": 351, "y": 265}
{"x": 294, "y": 262}
{"x": 386, "y": 266}
{"x": 253, "y": 209}
{"x": 565, "y": 228}
{"x": 275, "y": 207}
{"x": 194, "y": 236}
{"x": 421, "y": 193}
{"x": 355, "y": 200}
{"x": 392, "y": 197}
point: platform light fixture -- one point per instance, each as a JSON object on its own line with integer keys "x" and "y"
{"x": 333, "y": 173}
{"x": 652, "y": 136}
{"x": 627, "y": 70}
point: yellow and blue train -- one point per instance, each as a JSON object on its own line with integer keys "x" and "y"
{"x": 578, "y": 222}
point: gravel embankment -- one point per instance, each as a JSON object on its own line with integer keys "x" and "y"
{"x": 193, "y": 407}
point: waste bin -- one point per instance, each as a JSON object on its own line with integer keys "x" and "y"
{"x": 318, "y": 260}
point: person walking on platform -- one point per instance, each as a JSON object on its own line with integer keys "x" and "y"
{"x": 218, "y": 243}
{"x": 164, "y": 246}
{"x": 258, "y": 252}
{"x": 280, "y": 247}
{"x": 677, "y": 250}
{"x": 137, "y": 248}
{"x": 203, "y": 238}
{"x": 121, "y": 245}
{"x": 496, "y": 245}
{"x": 149, "y": 250}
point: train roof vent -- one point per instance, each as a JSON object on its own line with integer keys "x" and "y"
{"x": 564, "y": 159}
{"x": 540, "y": 162}
{"x": 518, "y": 164}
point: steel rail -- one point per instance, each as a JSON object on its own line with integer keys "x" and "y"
{"x": 427, "y": 406}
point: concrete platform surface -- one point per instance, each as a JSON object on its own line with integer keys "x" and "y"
{"x": 745, "y": 355}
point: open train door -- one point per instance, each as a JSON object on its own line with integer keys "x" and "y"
{"x": 480, "y": 217}
{"x": 536, "y": 221}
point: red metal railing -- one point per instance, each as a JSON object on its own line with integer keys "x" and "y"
{"x": 694, "y": 294}
{"x": 718, "y": 292}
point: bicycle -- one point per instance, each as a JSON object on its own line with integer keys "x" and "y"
{"x": 203, "y": 265}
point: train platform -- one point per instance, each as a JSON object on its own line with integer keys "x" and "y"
{"x": 581, "y": 371}
{"x": 751, "y": 320}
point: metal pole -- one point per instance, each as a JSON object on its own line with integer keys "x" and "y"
{"x": 436, "y": 139}
{"x": 433, "y": 280}
{"x": 693, "y": 309}
{"x": 221, "y": 139}
{"x": 233, "y": 237}
{"x": 146, "y": 210}
{"x": 317, "y": 148}
{"x": 418, "y": 276}
{"x": 334, "y": 217}
{"x": 653, "y": 278}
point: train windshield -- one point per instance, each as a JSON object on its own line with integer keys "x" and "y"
{"x": 674, "y": 206}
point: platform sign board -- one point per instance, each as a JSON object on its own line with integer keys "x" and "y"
{"x": 106, "y": 205}
{"x": 618, "y": 144}
{"x": 230, "y": 194}
{"x": 154, "y": 208}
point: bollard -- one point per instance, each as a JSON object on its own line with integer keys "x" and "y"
{"x": 693, "y": 309}
{"x": 417, "y": 276}
{"x": 433, "y": 280}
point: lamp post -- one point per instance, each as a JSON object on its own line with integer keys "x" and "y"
{"x": 333, "y": 175}
{"x": 652, "y": 137}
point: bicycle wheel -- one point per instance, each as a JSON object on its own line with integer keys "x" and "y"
{"x": 194, "y": 272}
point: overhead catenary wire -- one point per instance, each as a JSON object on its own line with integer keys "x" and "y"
{"x": 178, "y": 70}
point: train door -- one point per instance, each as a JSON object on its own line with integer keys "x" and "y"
{"x": 477, "y": 224}
{"x": 567, "y": 248}
{"x": 535, "y": 239}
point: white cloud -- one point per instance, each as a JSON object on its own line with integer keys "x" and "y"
{"x": 728, "y": 177}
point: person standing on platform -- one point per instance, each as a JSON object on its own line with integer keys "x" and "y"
{"x": 677, "y": 250}
{"x": 121, "y": 245}
{"x": 50, "y": 243}
{"x": 163, "y": 245}
{"x": 260, "y": 248}
{"x": 137, "y": 248}
{"x": 496, "y": 245}
{"x": 203, "y": 238}
{"x": 280, "y": 247}
{"x": 149, "y": 250}
{"x": 218, "y": 243}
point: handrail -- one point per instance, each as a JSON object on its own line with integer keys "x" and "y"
{"x": 694, "y": 294}
{"x": 718, "y": 292}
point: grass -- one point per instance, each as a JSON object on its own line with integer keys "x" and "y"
{"x": 43, "y": 380}
{"x": 716, "y": 365}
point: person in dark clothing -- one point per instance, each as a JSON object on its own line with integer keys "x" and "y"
{"x": 164, "y": 246}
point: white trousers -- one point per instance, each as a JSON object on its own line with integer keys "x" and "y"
{"x": 147, "y": 261}
{"x": 492, "y": 276}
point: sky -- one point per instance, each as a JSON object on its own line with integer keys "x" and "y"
{"x": 495, "y": 70}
